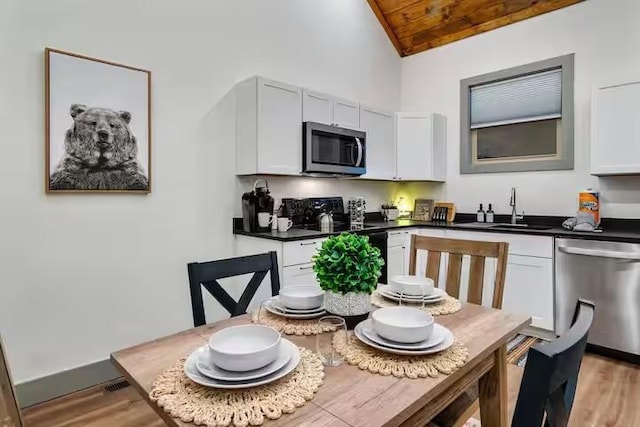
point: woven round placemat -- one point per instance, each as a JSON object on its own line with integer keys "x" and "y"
{"x": 290, "y": 326}
{"x": 378, "y": 362}
{"x": 448, "y": 305}
{"x": 192, "y": 403}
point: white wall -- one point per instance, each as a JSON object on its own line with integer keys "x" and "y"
{"x": 84, "y": 275}
{"x": 603, "y": 34}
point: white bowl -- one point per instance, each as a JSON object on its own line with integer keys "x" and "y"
{"x": 244, "y": 348}
{"x": 402, "y": 324}
{"x": 412, "y": 285}
{"x": 302, "y": 297}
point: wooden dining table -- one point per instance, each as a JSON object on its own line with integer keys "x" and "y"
{"x": 350, "y": 396}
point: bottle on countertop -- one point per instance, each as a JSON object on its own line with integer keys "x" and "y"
{"x": 481, "y": 216}
{"x": 490, "y": 214}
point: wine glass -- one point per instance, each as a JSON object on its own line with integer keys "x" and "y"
{"x": 324, "y": 340}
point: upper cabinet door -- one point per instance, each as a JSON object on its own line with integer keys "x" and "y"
{"x": 346, "y": 114}
{"x": 615, "y": 130}
{"x": 317, "y": 107}
{"x": 279, "y": 128}
{"x": 381, "y": 143}
{"x": 414, "y": 146}
{"x": 420, "y": 147}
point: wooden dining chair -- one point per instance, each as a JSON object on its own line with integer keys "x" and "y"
{"x": 548, "y": 385}
{"x": 551, "y": 375}
{"x": 206, "y": 275}
{"x": 457, "y": 249}
{"x": 9, "y": 410}
{"x": 456, "y": 414}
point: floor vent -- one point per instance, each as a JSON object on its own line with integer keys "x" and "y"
{"x": 117, "y": 386}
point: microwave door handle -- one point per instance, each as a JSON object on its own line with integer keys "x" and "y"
{"x": 359, "y": 152}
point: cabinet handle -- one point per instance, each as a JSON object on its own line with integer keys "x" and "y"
{"x": 280, "y": 87}
{"x": 310, "y": 95}
{"x": 306, "y": 268}
{"x": 307, "y": 244}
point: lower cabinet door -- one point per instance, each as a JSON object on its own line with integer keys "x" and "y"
{"x": 528, "y": 289}
{"x": 302, "y": 274}
{"x": 395, "y": 261}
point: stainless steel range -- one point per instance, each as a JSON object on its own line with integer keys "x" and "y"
{"x": 607, "y": 273}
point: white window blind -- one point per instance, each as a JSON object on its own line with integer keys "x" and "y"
{"x": 522, "y": 99}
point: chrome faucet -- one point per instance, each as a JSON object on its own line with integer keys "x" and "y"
{"x": 514, "y": 211}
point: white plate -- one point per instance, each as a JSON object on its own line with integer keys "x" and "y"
{"x": 209, "y": 369}
{"x": 277, "y": 311}
{"x": 430, "y": 300}
{"x": 436, "y": 338}
{"x": 277, "y": 304}
{"x": 437, "y": 293}
{"x": 445, "y": 344}
{"x": 191, "y": 370}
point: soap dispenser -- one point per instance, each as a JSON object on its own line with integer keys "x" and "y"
{"x": 489, "y": 215}
{"x": 481, "y": 216}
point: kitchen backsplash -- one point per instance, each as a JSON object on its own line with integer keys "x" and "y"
{"x": 375, "y": 192}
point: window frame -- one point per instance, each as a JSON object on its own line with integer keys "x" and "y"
{"x": 565, "y": 158}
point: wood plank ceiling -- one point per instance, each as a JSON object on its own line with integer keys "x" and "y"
{"x": 417, "y": 25}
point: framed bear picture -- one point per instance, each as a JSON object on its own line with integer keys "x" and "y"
{"x": 98, "y": 125}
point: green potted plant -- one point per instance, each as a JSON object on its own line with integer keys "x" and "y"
{"x": 348, "y": 268}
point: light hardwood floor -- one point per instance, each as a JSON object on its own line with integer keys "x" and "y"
{"x": 608, "y": 395}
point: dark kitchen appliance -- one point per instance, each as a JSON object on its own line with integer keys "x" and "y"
{"x": 304, "y": 214}
{"x": 333, "y": 150}
{"x": 254, "y": 202}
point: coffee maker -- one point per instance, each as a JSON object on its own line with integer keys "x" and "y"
{"x": 255, "y": 202}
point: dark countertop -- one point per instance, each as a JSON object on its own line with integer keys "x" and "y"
{"x": 613, "y": 230}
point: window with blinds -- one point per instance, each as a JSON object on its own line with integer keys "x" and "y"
{"x": 519, "y": 119}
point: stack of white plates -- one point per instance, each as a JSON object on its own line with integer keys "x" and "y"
{"x": 297, "y": 302}
{"x": 389, "y": 292}
{"x": 242, "y": 357}
{"x": 405, "y": 331}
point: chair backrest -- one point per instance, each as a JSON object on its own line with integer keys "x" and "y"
{"x": 551, "y": 375}
{"x": 9, "y": 410}
{"x": 206, "y": 275}
{"x": 456, "y": 250}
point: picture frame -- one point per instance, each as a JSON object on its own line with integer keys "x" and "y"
{"x": 423, "y": 209}
{"x": 97, "y": 125}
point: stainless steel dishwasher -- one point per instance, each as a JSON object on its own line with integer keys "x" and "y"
{"x": 607, "y": 273}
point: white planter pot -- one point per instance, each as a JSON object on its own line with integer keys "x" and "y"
{"x": 349, "y": 304}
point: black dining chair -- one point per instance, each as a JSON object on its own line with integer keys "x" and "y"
{"x": 548, "y": 384}
{"x": 206, "y": 275}
{"x": 551, "y": 374}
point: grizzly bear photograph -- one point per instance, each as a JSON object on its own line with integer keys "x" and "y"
{"x": 98, "y": 125}
{"x": 100, "y": 153}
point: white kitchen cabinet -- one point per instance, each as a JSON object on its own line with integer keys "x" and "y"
{"x": 302, "y": 274}
{"x": 529, "y": 289}
{"x": 397, "y": 253}
{"x": 268, "y": 128}
{"x": 330, "y": 110}
{"x": 396, "y": 260}
{"x": 346, "y": 114}
{"x": 381, "y": 143}
{"x": 317, "y": 107}
{"x": 615, "y": 130}
{"x": 420, "y": 147}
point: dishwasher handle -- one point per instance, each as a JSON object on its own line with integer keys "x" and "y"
{"x": 630, "y": 256}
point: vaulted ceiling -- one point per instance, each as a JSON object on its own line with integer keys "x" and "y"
{"x": 417, "y": 25}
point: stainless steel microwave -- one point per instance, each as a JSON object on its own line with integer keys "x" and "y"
{"x": 334, "y": 150}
